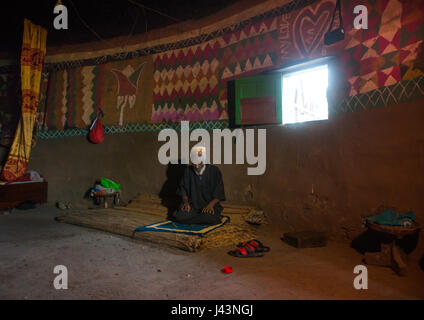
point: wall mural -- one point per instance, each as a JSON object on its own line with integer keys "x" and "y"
{"x": 190, "y": 81}
{"x": 128, "y": 80}
{"x": 302, "y": 32}
{"x": 121, "y": 89}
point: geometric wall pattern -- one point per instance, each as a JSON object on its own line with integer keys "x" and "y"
{"x": 401, "y": 91}
{"x": 186, "y": 84}
{"x": 132, "y": 128}
{"x": 384, "y": 54}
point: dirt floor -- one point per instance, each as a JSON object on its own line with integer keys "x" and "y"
{"x": 106, "y": 266}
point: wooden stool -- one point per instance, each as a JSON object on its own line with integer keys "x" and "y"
{"x": 106, "y": 197}
{"x": 391, "y": 255}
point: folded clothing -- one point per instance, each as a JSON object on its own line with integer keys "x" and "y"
{"x": 392, "y": 218}
{"x": 30, "y": 175}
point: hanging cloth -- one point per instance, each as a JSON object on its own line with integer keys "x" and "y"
{"x": 32, "y": 58}
{"x": 96, "y": 134}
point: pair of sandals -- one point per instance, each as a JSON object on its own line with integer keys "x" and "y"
{"x": 249, "y": 249}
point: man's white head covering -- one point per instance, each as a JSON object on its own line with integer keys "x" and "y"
{"x": 198, "y": 154}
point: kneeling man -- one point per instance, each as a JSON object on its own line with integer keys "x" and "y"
{"x": 201, "y": 189}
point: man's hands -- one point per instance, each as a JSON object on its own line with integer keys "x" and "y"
{"x": 185, "y": 206}
{"x": 209, "y": 207}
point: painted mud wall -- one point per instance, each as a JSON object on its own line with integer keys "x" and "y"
{"x": 325, "y": 175}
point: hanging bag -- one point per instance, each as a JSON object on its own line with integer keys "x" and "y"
{"x": 338, "y": 34}
{"x": 96, "y": 134}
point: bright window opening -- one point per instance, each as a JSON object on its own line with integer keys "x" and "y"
{"x": 305, "y": 95}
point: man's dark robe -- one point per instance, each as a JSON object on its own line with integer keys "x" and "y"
{"x": 200, "y": 191}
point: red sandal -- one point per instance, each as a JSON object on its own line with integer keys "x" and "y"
{"x": 259, "y": 247}
{"x": 246, "y": 251}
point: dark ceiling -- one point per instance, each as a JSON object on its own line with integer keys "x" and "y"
{"x": 108, "y": 18}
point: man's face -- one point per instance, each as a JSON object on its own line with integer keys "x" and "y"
{"x": 198, "y": 167}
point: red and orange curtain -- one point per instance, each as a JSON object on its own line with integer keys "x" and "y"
{"x": 32, "y": 58}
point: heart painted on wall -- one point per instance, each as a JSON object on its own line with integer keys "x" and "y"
{"x": 310, "y": 26}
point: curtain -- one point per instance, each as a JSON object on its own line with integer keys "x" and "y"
{"x": 32, "y": 58}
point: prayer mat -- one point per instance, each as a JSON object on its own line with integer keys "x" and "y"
{"x": 176, "y": 227}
